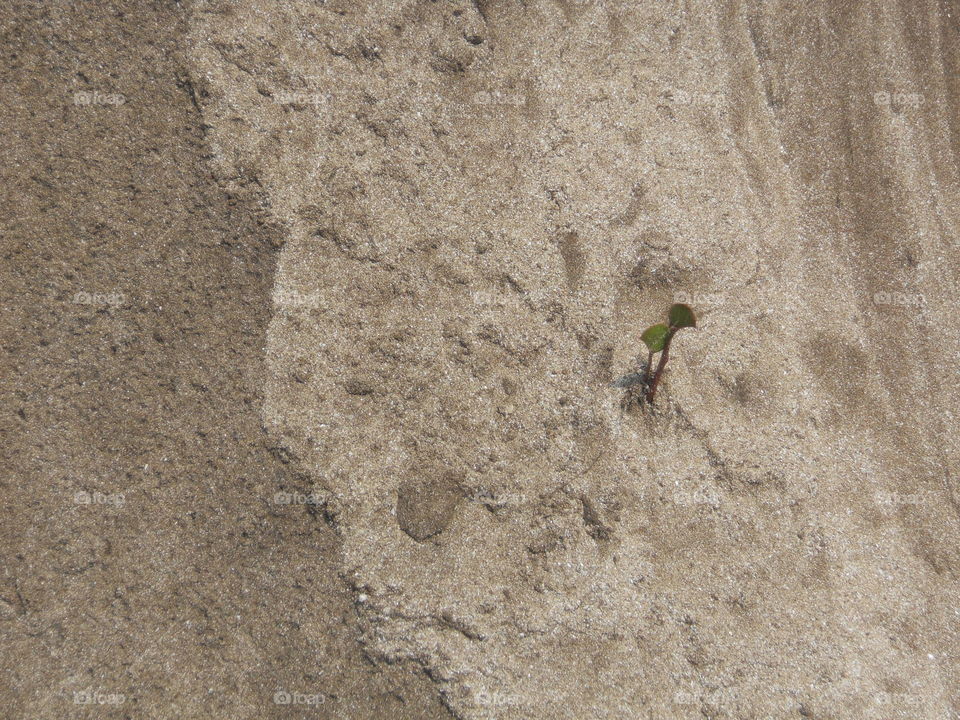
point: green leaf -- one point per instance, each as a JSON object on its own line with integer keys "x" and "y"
{"x": 682, "y": 316}
{"x": 655, "y": 337}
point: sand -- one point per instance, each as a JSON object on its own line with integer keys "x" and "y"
{"x": 432, "y": 235}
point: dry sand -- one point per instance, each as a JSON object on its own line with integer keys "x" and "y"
{"x": 180, "y": 588}
{"x": 478, "y": 208}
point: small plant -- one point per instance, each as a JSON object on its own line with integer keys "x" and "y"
{"x": 657, "y": 338}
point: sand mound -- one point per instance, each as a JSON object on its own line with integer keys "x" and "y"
{"x": 484, "y": 205}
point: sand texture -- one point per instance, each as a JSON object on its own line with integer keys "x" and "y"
{"x": 466, "y": 214}
{"x": 484, "y": 204}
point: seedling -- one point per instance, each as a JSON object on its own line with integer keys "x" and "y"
{"x": 657, "y": 338}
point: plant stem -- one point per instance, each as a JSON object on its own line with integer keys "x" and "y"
{"x": 664, "y": 356}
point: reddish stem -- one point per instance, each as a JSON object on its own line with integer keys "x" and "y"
{"x": 664, "y": 356}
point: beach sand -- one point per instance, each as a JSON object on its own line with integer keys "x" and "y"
{"x": 402, "y": 251}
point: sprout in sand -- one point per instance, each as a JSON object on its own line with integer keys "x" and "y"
{"x": 657, "y": 338}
